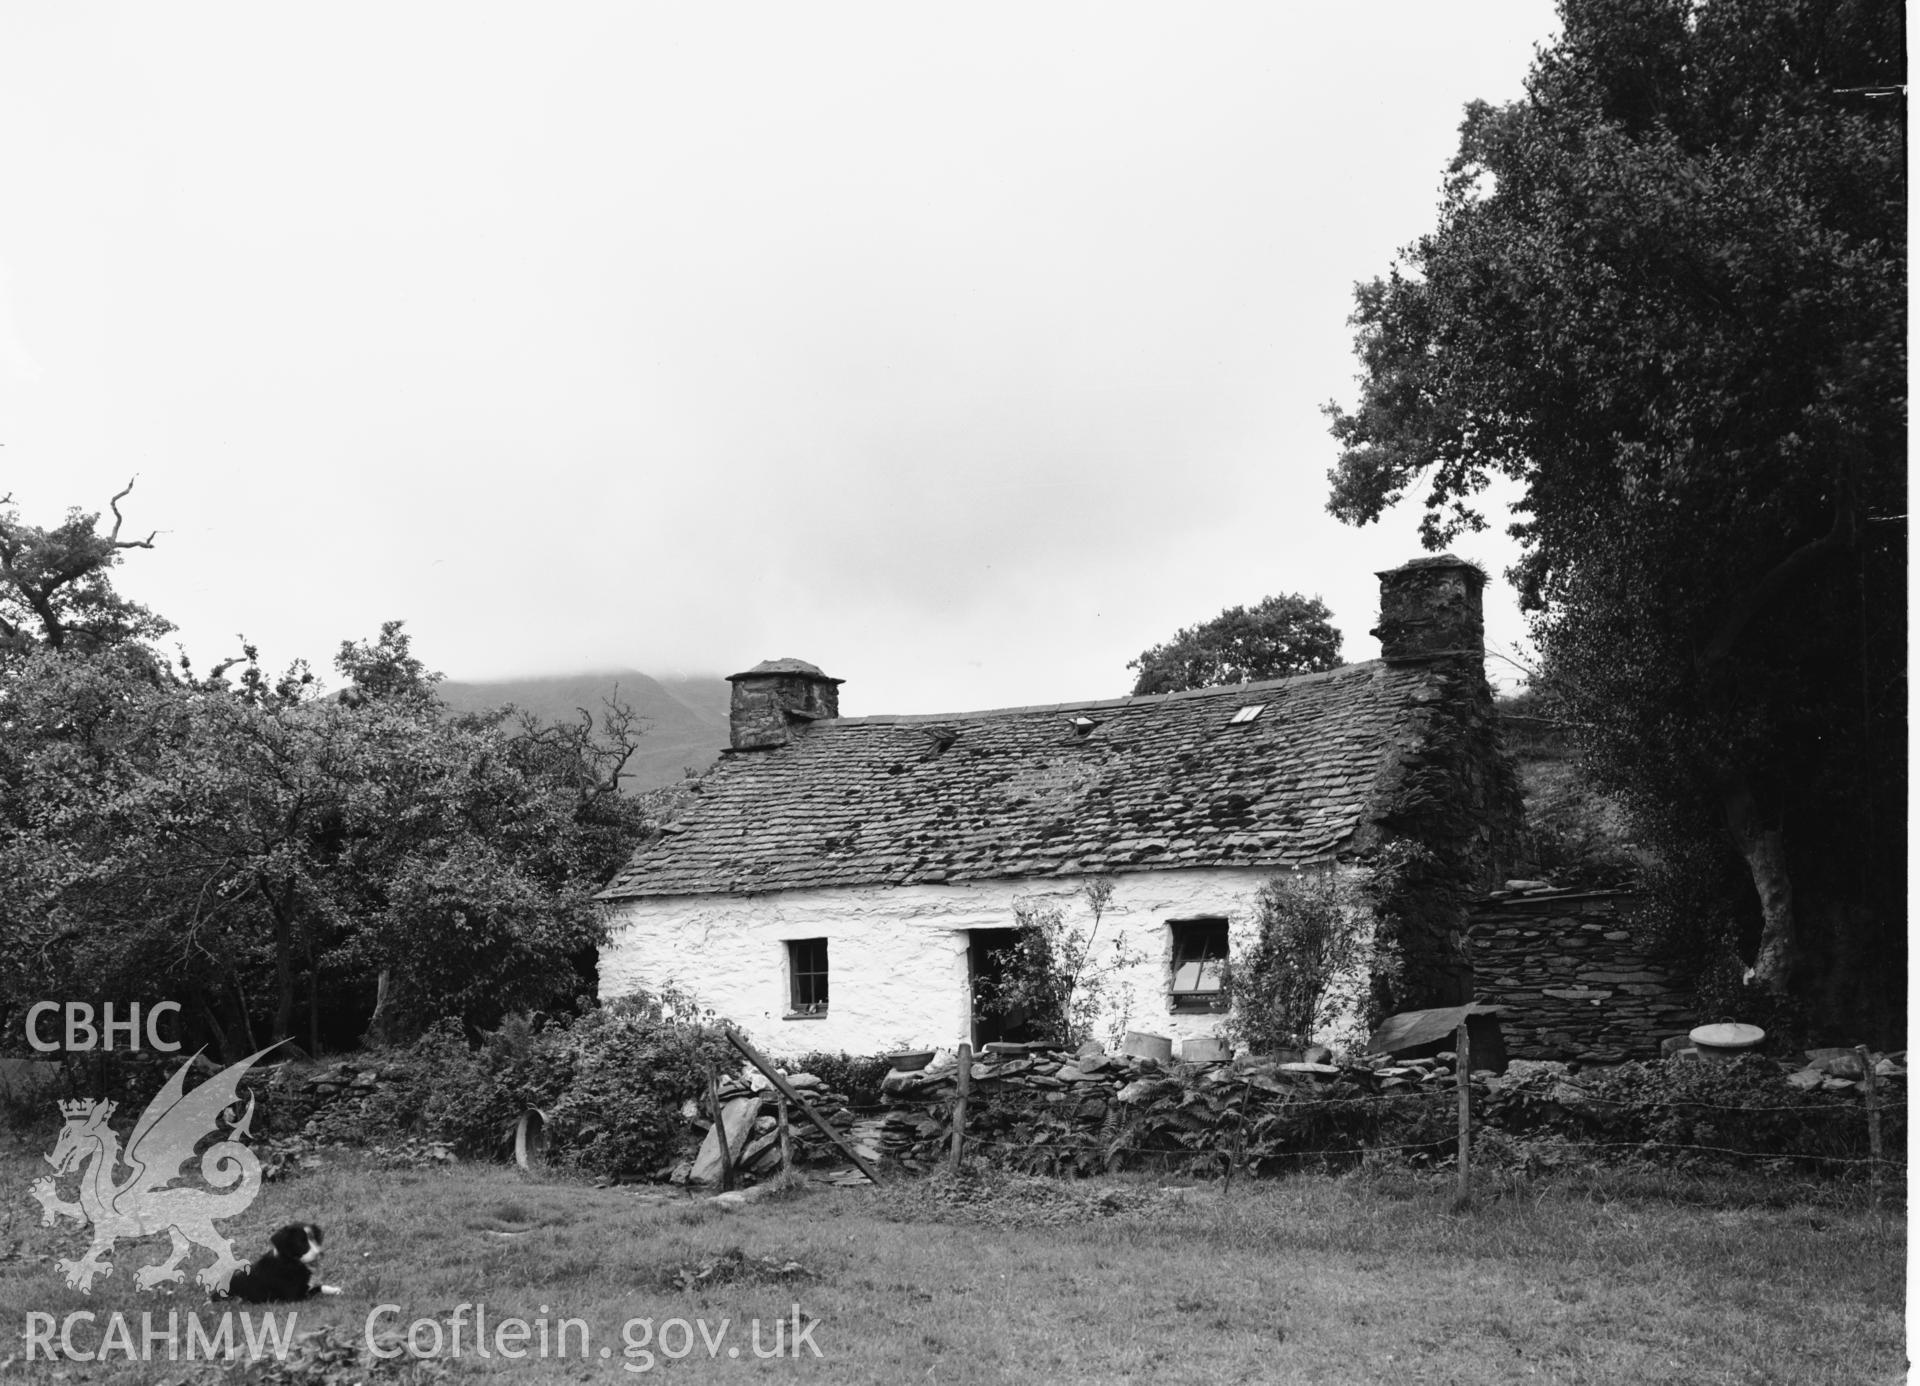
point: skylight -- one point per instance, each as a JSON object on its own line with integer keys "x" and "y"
{"x": 1246, "y": 714}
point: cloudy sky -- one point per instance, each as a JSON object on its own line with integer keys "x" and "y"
{"x": 964, "y": 350}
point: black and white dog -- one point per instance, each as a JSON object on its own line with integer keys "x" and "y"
{"x": 286, "y": 1271}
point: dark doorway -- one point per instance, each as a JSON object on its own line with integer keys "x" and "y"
{"x": 989, "y": 952}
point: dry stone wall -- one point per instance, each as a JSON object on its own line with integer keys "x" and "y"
{"x": 1573, "y": 982}
{"x": 1047, "y": 1109}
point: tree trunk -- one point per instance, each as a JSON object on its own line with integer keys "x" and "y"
{"x": 313, "y": 1000}
{"x": 381, "y": 1021}
{"x": 1763, "y": 848}
{"x": 313, "y": 1010}
{"x": 282, "y": 970}
{"x": 246, "y": 1017}
{"x": 219, "y": 1031}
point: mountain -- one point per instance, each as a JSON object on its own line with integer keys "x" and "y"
{"x": 685, "y": 717}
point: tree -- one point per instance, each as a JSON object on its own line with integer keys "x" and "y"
{"x": 236, "y": 843}
{"x": 261, "y": 855}
{"x": 1284, "y": 634}
{"x": 1667, "y": 295}
{"x": 54, "y": 584}
{"x": 387, "y": 668}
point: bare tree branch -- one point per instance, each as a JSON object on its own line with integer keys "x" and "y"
{"x": 114, "y": 538}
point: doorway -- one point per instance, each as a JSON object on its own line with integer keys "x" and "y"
{"x": 989, "y": 954}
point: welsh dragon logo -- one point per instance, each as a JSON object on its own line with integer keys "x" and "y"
{"x": 142, "y": 1204}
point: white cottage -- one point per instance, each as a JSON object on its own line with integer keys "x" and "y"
{"x": 845, "y": 883}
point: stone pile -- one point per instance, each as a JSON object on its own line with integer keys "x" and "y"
{"x": 324, "y": 1104}
{"x": 1841, "y": 1070}
{"x": 749, "y": 1110}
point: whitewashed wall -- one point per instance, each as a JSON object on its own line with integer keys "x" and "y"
{"x": 897, "y": 956}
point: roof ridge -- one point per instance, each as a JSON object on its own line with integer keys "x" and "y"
{"x": 1225, "y": 690}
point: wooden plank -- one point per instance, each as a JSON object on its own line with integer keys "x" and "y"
{"x": 720, "y": 1125}
{"x": 787, "y": 1090}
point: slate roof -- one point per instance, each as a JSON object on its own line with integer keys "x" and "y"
{"x": 1157, "y": 782}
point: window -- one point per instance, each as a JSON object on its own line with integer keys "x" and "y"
{"x": 1199, "y": 965}
{"x": 807, "y": 971}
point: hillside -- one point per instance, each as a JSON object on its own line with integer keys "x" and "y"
{"x": 686, "y": 718}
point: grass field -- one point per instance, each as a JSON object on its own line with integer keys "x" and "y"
{"x": 1363, "y": 1278}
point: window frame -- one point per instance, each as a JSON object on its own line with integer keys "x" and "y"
{"x": 807, "y": 985}
{"x": 1184, "y": 935}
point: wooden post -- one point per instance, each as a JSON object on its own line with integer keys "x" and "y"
{"x": 965, "y": 1082}
{"x": 785, "y": 1089}
{"x": 1463, "y": 1078}
{"x": 720, "y": 1127}
{"x": 1237, "y": 1150}
{"x": 786, "y": 1135}
{"x": 1872, "y": 1084}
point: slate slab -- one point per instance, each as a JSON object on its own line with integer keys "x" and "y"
{"x": 1431, "y": 1031}
{"x": 737, "y": 1117}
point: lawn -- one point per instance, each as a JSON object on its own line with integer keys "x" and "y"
{"x": 1368, "y": 1277}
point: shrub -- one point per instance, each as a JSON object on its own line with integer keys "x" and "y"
{"x": 1053, "y": 986}
{"x": 469, "y": 1096}
{"x": 629, "y": 1078}
{"x": 1030, "y": 993}
{"x": 1733, "y": 1111}
{"x": 611, "y": 1085}
{"x": 1306, "y": 965}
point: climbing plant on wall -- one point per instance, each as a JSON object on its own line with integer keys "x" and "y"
{"x": 1056, "y": 981}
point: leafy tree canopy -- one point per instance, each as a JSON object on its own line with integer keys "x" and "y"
{"x": 1282, "y": 635}
{"x": 1667, "y": 293}
{"x": 55, "y": 588}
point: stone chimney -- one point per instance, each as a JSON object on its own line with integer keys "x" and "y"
{"x": 774, "y": 695}
{"x": 1429, "y": 608}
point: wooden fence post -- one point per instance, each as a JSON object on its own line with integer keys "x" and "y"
{"x": 1237, "y": 1151}
{"x": 786, "y": 1135}
{"x": 720, "y": 1128}
{"x": 1871, "y": 1081}
{"x": 1463, "y": 1079}
{"x": 963, "y": 1085}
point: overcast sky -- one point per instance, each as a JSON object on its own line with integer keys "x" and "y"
{"x": 964, "y": 351}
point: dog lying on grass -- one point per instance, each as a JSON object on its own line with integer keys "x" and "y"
{"x": 286, "y": 1271}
